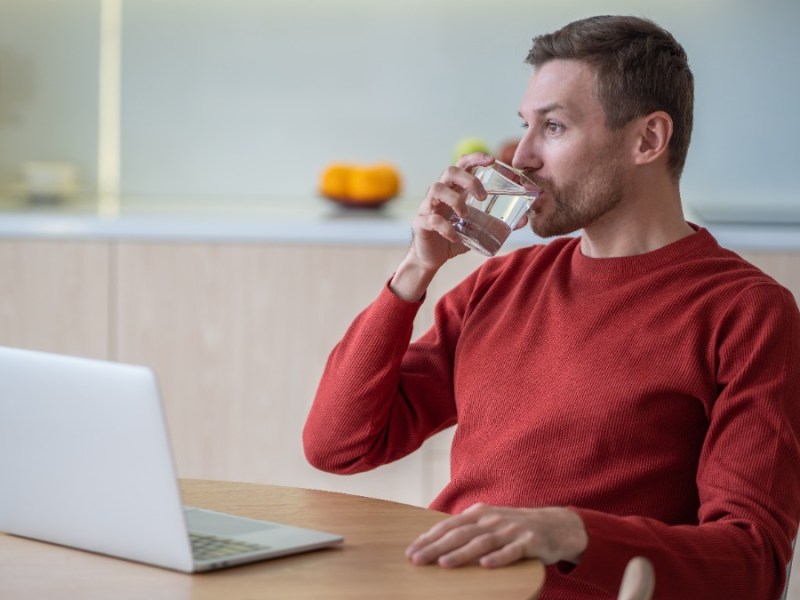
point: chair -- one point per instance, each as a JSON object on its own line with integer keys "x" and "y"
{"x": 788, "y": 572}
{"x": 639, "y": 579}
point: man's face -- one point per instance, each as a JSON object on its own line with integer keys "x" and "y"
{"x": 568, "y": 150}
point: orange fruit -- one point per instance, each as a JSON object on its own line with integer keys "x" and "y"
{"x": 390, "y": 178}
{"x": 360, "y": 184}
{"x": 334, "y": 181}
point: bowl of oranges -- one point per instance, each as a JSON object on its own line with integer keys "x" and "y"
{"x": 360, "y": 185}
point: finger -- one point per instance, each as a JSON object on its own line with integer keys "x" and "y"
{"x": 503, "y": 543}
{"x": 479, "y": 510}
{"x": 492, "y": 533}
{"x": 440, "y": 529}
{"x": 446, "y": 544}
{"x": 444, "y": 198}
{"x": 484, "y": 544}
{"x": 471, "y": 515}
{"x": 508, "y": 554}
{"x": 436, "y": 223}
{"x": 462, "y": 181}
{"x": 468, "y": 161}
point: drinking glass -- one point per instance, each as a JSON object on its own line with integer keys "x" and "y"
{"x": 489, "y": 222}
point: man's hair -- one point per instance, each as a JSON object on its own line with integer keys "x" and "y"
{"x": 639, "y": 68}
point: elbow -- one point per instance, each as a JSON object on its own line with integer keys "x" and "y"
{"x": 319, "y": 458}
{"x": 324, "y": 454}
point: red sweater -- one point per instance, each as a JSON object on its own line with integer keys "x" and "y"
{"x": 655, "y": 394}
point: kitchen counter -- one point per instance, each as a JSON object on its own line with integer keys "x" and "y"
{"x": 288, "y": 221}
{"x": 293, "y": 221}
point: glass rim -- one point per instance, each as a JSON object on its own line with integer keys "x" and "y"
{"x": 513, "y": 175}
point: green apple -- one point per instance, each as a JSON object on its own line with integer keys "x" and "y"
{"x": 468, "y": 145}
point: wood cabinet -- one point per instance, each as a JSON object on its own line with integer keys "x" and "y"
{"x": 56, "y": 296}
{"x": 239, "y": 335}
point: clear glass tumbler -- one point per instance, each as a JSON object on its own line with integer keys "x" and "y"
{"x": 489, "y": 222}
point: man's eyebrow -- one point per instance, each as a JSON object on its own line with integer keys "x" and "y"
{"x": 550, "y": 108}
{"x": 546, "y": 109}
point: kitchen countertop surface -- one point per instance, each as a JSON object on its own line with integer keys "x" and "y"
{"x": 300, "y": 221}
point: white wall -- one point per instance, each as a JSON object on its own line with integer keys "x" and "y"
{"x": 48, "y": 84}
{"x": 252, "y": 98}
{"x": 746, "y": 59}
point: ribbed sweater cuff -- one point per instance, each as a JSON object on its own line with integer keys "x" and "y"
{"x": 603, "y": 562}
{"x": 388, "y": 298}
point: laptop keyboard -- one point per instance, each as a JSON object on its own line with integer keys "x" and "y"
{"x": 209, "y": 547}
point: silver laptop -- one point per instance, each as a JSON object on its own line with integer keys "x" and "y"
{"x": 85, "y": 462}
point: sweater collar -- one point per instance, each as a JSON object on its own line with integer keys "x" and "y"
{"x": 623, "y": 267}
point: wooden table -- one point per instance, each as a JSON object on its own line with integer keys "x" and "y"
{"x": 370, "y": 563}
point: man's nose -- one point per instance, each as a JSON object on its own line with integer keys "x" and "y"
{"x": 526, "y": 157}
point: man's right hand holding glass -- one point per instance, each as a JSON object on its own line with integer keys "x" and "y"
{"x": 434, "y": 240}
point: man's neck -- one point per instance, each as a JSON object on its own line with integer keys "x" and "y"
{"x": 637, "y": 227}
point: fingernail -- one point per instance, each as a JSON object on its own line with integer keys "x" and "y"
{"x": 445, "y": 561}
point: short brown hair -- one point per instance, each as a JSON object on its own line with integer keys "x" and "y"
{"x": 639, "y": 66}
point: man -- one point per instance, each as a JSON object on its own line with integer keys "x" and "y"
{"x": 633, "y": 391}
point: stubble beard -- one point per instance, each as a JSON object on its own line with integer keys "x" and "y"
{"x": 578, "y": 204}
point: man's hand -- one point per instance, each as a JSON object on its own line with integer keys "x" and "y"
{"x": 495, "y": 537}
{"x": 435, "y": 241}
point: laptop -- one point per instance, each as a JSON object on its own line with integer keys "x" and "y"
{"x": 85, "y": 462}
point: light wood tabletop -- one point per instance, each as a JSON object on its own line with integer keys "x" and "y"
{"x": 369, "y": 564}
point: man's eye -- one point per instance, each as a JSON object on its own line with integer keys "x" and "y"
{"x": 553, "y": 127}
{"x": 524, "y": 125}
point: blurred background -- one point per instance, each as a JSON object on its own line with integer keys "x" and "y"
{"x": 226, "y": 100}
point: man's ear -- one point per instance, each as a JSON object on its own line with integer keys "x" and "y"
{"x": 653, "y": 134}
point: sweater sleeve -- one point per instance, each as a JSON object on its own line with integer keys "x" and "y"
{"x": 381, "y": 397}
{"x": 748, "y": 475}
